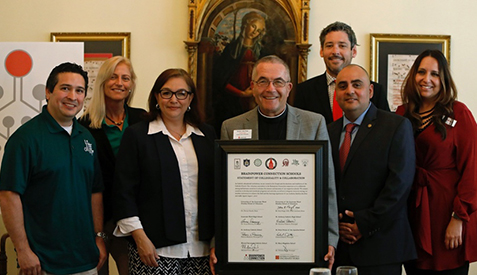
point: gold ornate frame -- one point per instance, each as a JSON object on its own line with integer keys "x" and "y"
{"x": 297, "y": 10}
{"x": 107, "y": 42}
{"x": 97, "y": 48}
{"x": 204, "y": 17}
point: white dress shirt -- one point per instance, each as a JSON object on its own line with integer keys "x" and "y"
{"x": 331, "y": 88}
{"x": 188, "y": 167}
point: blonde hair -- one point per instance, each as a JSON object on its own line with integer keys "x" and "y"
{"x": 96, "y": 109}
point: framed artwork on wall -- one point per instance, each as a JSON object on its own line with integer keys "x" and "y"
{"x": 97, "y": 48}
{"x": 392, "y": 55}
{"x": 226, "y": 37}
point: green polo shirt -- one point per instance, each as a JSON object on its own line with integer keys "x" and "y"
{"x": 55, "y": 175}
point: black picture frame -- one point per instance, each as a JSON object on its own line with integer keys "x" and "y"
{"x": 319, "y": 150}
{"x": 383, "y": 45}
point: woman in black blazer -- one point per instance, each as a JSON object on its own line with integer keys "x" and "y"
{"x": 107, "y": 117}
{"x": 164, "y": 183}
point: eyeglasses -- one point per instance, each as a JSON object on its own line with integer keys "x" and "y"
{"x": 277, "y": 83}
{"x": 180, "y": 94}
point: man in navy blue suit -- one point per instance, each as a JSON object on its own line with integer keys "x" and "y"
{"x": 338, "y": 48}
{"x": 374, "y": 169}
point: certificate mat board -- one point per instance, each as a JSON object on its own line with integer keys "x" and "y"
{"x": 271, "y": 206}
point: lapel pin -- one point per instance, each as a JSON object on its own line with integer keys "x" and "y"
{"x": 370, "y": 125}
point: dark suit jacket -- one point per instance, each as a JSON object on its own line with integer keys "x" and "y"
{"x": 312, "y": 95}
{"x": 106, "y": 156}
{"x": 148, "y": 184}
{"x": 375, "y": 184}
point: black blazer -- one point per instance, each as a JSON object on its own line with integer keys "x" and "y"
{"x": 375, "y": 184}
{"x": 106, "y": 156}
{"x": 148, "y": 184}
{"x": 312, "y": 95}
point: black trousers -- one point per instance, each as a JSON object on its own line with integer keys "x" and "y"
{"x": 412, "y": 270}
{"x": 342, "y": 258}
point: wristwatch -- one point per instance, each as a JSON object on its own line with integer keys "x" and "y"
{"x": 102, "y": 235}
{"x": 454, "y": 215}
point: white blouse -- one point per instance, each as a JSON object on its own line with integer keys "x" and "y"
{"x": 188, "y": 167}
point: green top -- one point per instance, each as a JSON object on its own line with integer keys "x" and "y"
{"x": 115, "y": 134}
{"x": 55, "y": 175}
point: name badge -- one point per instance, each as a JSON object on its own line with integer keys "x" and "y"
{"x": 243, "y": 134}
{"x": 449, "y": 121}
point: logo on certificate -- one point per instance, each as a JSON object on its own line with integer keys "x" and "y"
{"x": 257, "y": 162}
{"x": 246, "y": 162}
{"x": 271, "y": 163}
{"x": 285, "y": 163}
{"x": 236, "y": 163}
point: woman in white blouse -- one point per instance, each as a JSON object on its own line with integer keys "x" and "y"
{"x": 164, "y": 183}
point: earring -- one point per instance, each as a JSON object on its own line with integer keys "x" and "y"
{"x": 188, "y": 108}
{"x": 158, "y": 107}
{"x": 130, "y": 91}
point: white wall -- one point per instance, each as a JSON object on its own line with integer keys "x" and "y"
{"x": 403, "y": 17}
{"x": 158, "y": 29}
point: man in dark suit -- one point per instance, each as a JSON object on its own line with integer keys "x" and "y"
{"x": 373, "y": 180}
{"x": 338, "y": 48}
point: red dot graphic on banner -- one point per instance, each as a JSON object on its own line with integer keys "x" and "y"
{"x": 18, "y": 63}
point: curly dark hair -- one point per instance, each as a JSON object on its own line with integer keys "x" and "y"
{"x": 339, "y": 27}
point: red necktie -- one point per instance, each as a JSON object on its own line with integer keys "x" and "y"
{"x": 344, "y": 150}
{"x": 337, "y": 112}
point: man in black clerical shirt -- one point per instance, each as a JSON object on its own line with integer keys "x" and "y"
{"x": 274, "y": 119}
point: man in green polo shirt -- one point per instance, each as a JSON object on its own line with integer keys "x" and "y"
{"x": 50, "y": 184}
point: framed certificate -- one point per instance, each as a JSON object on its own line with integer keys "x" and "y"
{"x": 271, "y": 206}
{"x": 392, "y": 56}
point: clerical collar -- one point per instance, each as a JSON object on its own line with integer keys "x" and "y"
{"x": 272, "y": 117}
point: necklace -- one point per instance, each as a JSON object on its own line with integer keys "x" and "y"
{"x": 180, "y": 136}
{"x": 114, "y": 122}
{"x": 174, "y": 132}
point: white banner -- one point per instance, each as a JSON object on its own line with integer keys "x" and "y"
{"x": 25, "y": 68}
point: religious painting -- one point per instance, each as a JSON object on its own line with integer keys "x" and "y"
{"x": 230, "y": 37}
